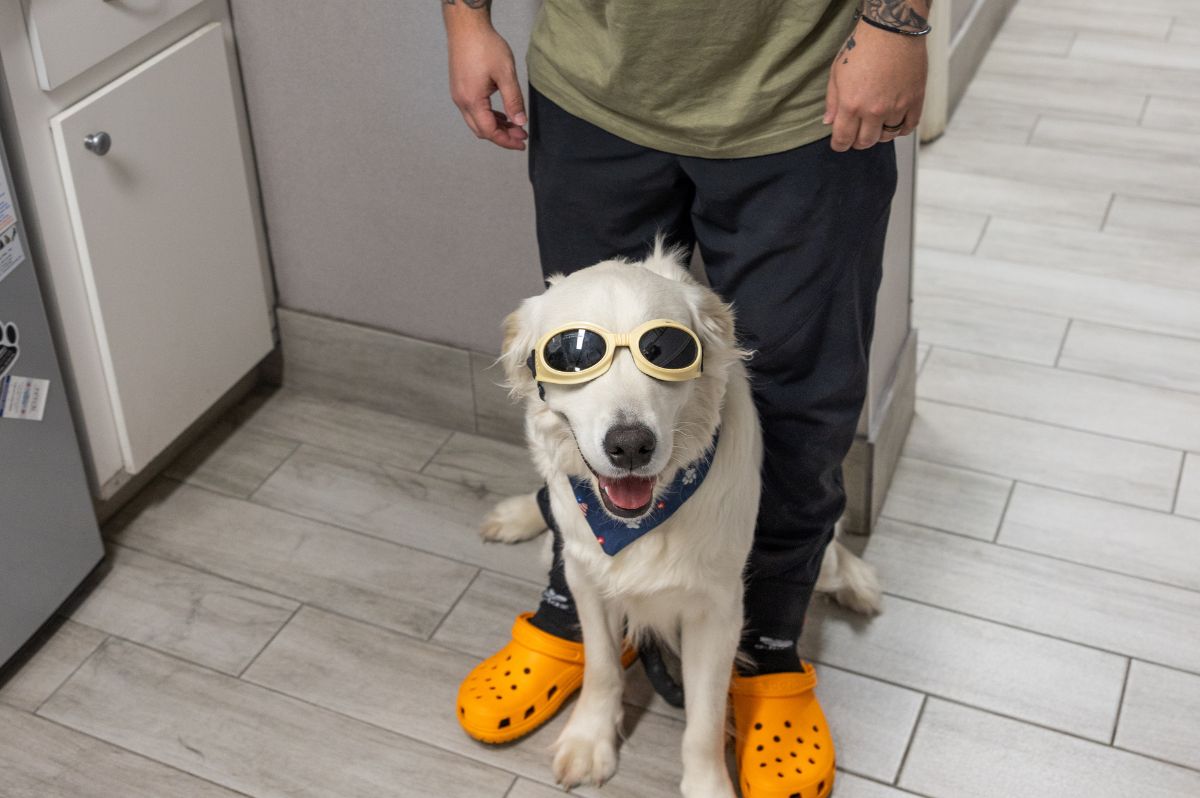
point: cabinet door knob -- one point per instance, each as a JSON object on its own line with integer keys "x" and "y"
{"x": 99, "y": 143}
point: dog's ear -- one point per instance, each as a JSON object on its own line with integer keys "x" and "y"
{"x": 715, "y": 324}
{"x": 516, "y": 349}
{"x": 668, "y": 261}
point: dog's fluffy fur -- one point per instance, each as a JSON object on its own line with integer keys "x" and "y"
{"x": 681, "y": 582}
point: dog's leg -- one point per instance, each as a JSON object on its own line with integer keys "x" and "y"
{"x": 586, "y": 750}
{"x": 514, "y": 519}
{"x": 710, "y": 635}
{"x": 852, "y": 582}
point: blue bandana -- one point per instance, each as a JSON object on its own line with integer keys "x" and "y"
{"x": 614, "y": 534}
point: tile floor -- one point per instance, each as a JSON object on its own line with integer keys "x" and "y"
{"x": 290, "y": 608}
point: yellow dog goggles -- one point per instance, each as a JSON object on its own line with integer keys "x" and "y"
{"x": 579, "y": 352}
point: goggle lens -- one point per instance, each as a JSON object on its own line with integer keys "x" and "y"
{"x": 574, "y": 350}
{"x": 668, "y": 347}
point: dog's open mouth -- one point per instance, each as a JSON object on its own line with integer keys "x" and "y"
{"x": 627, "y": 497}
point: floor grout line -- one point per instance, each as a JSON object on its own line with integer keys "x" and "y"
{"x": 912, "y": 735}
{"x": 299, "y": 605}
{"x": 453, "y": 606}
{"x": 1062, "y": 344}
{"x": 1112, "y": 740}
{"x": 1004, "y": 511}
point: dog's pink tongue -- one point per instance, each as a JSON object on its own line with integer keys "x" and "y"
{"x": 628, "y": 493}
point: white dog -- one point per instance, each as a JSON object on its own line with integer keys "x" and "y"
{"x": 642, "y": 431}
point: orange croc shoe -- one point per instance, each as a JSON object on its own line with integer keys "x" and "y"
{"x": 521, "y": 686}
{"x": 783, "y": 745}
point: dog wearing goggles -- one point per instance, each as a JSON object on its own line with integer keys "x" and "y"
{"x": 639, "y": 414}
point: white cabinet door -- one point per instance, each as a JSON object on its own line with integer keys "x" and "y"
{"x": 167, "y": 239}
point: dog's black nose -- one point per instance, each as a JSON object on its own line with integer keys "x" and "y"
{"x": 629, "y": 446}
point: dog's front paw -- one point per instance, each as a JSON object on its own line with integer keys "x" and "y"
{"x": 584, "y": 758}
{"x": 513, "y": 520}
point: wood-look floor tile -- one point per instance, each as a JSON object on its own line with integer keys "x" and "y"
{"x": 1186, "y": 30}
{"x": 1128, "y": 141}
{"x": 250, "y": 739}
{"x": 1143, "y": 413}
{"x": 1102, "y": 254}
{"x": 1118, "y": 49}
{"x": 989, "y": 329}
{"x": 393, "y": 586}
{"x": 1113, "y": 612}
{"x": 345, "y": 427}
{"x": 1140, "y": 216}
{"x": 1044, "y": 166}
{"x": 943, "y": 228}
{"x": 1003, "y": 196}
{"x": 1012, "y": 672}
{"x": 1083, "y": 462}
{"x": 1188, "y": 503}
{"x": 1018, "y": 36}
{"x": 411, "y": 687}
{"x": 1129, "y": 540}
{"x": 1147, "y": 358}
{"x": 870, "y": 721}
{"x": 40, "y": 759}
{"x": 231, "y": 459}
{"x": 1092, "y": 81}
{"x": 850, "y": 786}
{"x": 992, "y": 121}
{"x": 199, "y": 617}
{"x": 1107, "y": 8}
{"x": 947, "y": 498}
{"x": 1172, "y": 113}
{"x": 1033, "y": 95}
{"x": 59, "y": 652}
{"x": 485, "y": 464}
{"x": 1058, "y": 292}
{"x": 959, "y": 751}
{"x": 1144, "y": 24}
{"x": 1159, "y": 714}
{"x": 378, "y": 369}
{"x": 424, "y": 512}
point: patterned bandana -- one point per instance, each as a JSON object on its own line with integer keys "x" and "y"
{"x": 614, "y": 534}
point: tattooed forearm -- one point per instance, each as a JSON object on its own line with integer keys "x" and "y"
{"x": 897, "y": 13}
{"x": 471, "y": 3}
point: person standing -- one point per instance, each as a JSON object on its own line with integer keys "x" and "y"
{"x": 760, "y": 131}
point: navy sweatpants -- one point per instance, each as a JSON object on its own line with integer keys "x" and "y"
{"x": 795, "y": 241}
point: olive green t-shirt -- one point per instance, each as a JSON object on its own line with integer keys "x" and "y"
{"x": 710, "y": 78}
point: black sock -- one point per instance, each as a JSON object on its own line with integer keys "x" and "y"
{"x": 775, "y": 611}
{"x": 556, "y": 613}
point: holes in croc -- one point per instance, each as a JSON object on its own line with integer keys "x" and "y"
{"x": 759, "y": 748}
{"x": 553, "y": 689}
{"x": 775, "y": 738}
{"x": 505, "y": 723}
{"x": 787, "y": 724}
{"x": 529, "y": 712}
{"x": 812, "y": 761}
{"x": 820, "y": 787}
{"x": 462, "y": 710}
{"x": 757, "y": 726}
{"x": 795, "y": 795}
{"x": 527, "y": 671}
{"x": 514, "y": 687}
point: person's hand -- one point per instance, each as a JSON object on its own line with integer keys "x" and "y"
{"x": 877, "y": 80}
{"x": 481, "y": 63}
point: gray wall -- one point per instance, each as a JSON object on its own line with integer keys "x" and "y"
{"x": 382, "y": 208}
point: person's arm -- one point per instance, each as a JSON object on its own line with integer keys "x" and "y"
{"x": 878, "y": 78}
{"x": 481, "y": 63}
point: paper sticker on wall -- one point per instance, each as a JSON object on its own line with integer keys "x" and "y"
{"x": 12, "y": 254}
{"x": 22, "y": 397}
{"x": 8, "y": 347}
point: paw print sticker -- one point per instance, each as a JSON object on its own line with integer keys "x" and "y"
{"x": 8, "y": 347}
